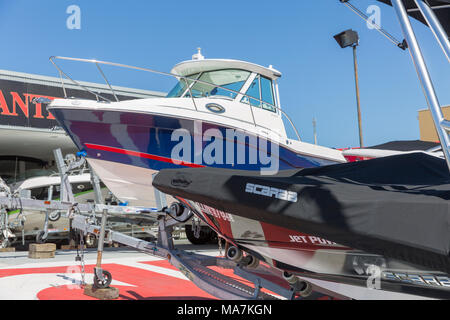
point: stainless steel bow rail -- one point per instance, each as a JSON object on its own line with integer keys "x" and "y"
{"x": 189, "y": 83}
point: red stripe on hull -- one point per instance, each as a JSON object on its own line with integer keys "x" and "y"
{"x": 142, "y": 155}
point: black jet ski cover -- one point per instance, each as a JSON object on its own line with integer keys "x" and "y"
{"x": 394, "y": 206}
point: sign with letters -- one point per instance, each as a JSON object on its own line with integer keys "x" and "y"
{"x": 17, "y": 107}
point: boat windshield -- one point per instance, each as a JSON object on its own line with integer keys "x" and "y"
{"x": 180, "y": 87}
{"x": 233, "y": 79}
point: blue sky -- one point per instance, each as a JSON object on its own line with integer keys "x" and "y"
{"x": 296, "y": 37}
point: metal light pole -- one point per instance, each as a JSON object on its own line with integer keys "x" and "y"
{"x": 350, "y": 38}
{"x": 358, "y": 101}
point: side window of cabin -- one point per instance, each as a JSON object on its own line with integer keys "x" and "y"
{"x": 253, "y": 91}
{"x": 267, "y": 95}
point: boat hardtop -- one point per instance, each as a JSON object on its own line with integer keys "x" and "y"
{"x": 190, "y": 67}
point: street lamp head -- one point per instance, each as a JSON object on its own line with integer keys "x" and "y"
{"x": 348, "y": 38}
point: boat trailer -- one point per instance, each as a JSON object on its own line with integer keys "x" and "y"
{"x": 90, "y": 219}
{"x": 197, "y": 267}
{"x": 21, "y": 201}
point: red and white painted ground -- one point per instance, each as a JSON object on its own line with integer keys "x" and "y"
{"x": 135, "y": 279}
{"x": 138, "y": 277}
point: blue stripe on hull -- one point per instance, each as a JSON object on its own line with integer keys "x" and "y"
{"x": 151, "y": 134}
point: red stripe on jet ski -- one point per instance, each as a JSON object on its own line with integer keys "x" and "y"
{"x": 142, "y": 155}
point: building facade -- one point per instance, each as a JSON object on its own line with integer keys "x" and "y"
{"x": 28, "y": 132}
{"x": 426, "y": 124}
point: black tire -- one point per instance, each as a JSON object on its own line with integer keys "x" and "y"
{"x": 252, "y": 263}
{"x": 306, "y": 289}
{"x": 103, "y": 284}
{"x": 40, "y": 237}
{"x": 176, "y": 209}
{"x": 204, "y": 237}
{"x": 234, "y": 254}
{"x": 92, "y": 243}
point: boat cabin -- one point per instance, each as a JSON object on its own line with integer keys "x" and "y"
{"x": 240, "y": 90}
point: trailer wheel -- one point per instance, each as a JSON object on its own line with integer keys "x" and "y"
{"x": 103, "y": 284}
{"x": 234, "y": 254}
{"x": 90, "y": 241}
{"x": 40, "y": 237}
{"x": 306, "y": 289}
{"x": 54, "y": 216}
{"x": 253, "y": 262}
{"x": 205, "y": 235}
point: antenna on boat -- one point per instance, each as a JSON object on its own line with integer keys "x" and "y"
{"x": 198, "y": 55}
{"x": 315, "y": 130}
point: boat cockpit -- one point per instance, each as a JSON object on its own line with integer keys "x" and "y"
{"x": 244, "y": 93}
{"x": 247, "y": 91}
{"x": 233, "y": 80}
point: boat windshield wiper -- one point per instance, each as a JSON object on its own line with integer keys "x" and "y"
{"x": 402, "y": 45}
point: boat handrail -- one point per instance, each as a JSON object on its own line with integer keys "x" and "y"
{"x": 186, "y": 79}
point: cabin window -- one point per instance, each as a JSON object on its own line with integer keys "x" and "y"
{"x": 261, "y": 89}
{"x": 253, "y": 91}
{"x": 228, "y": 79}
{"x": 267, "y": 95}
{"x": 180, "y": 87}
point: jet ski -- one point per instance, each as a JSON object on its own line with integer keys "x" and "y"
{"x": 342, "y": 223}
